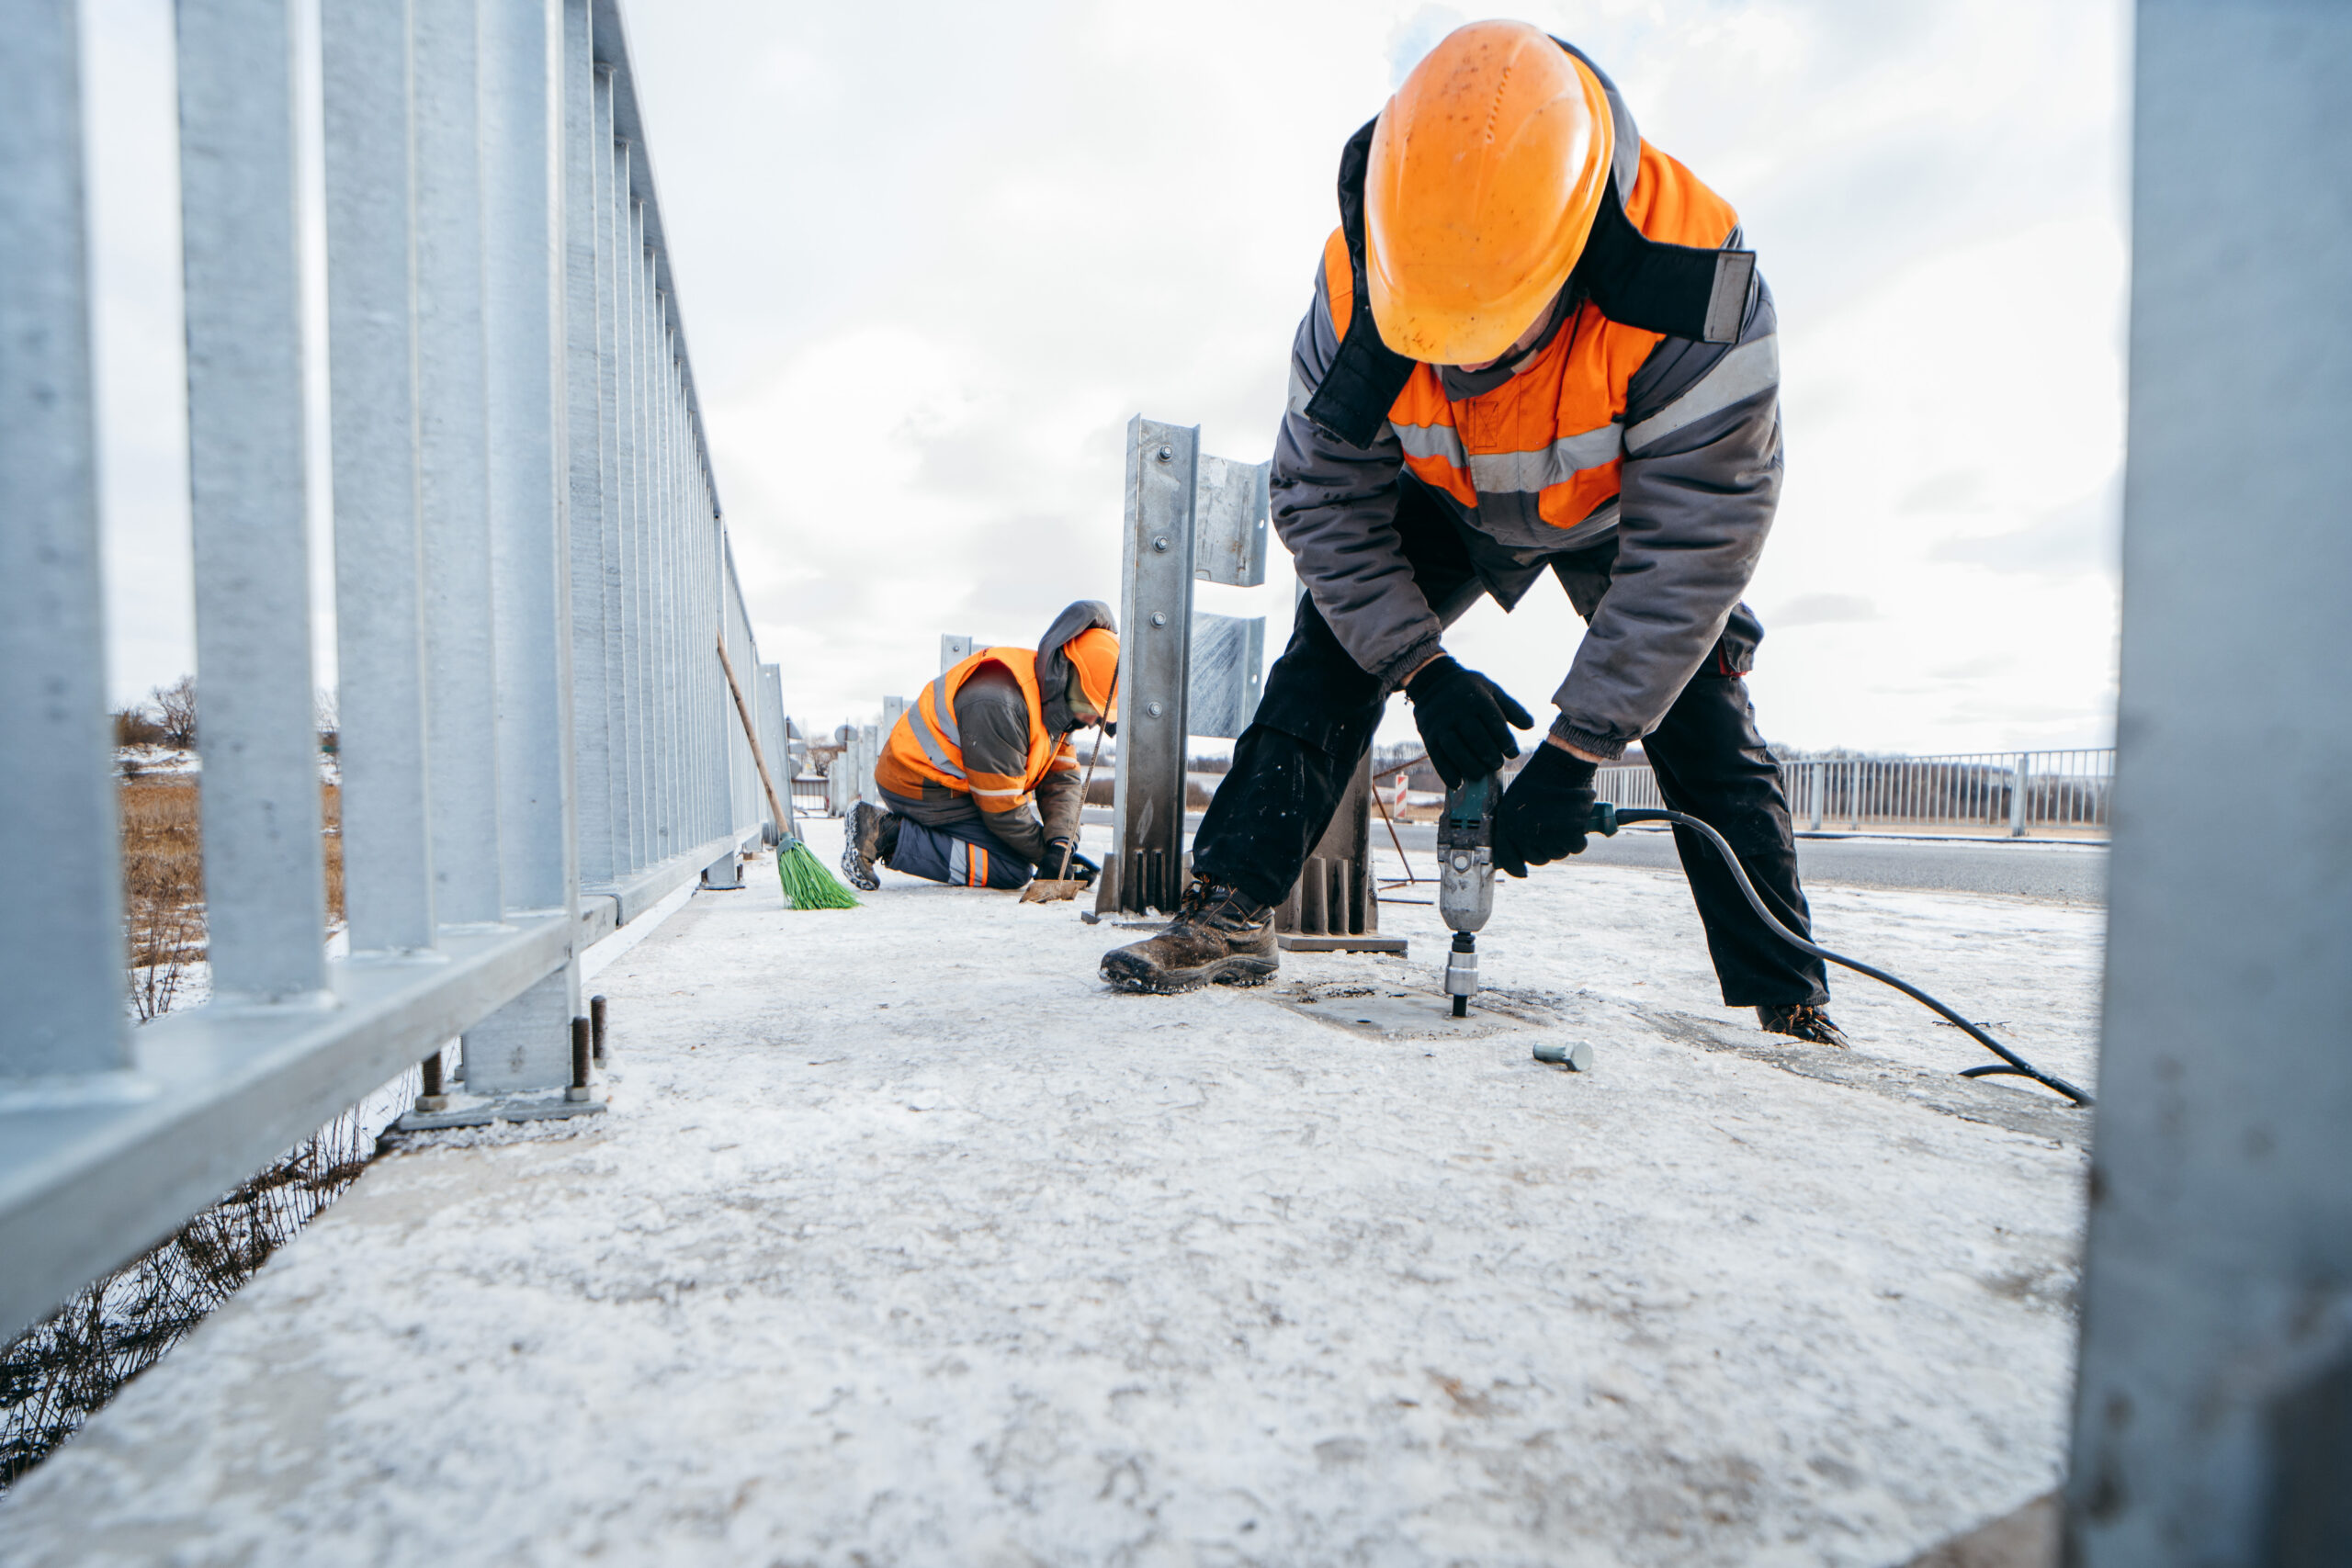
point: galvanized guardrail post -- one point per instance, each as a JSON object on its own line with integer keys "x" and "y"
{"x": 1189, "y": 517}
{"x": 2212, "y": 1420}
{"x": 1145, "y": 867}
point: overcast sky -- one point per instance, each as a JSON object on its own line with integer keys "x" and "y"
{"x": 931, "y": 258}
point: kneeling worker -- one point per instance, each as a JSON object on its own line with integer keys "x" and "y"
{"x": 980, "y": 779}
{"x": 1536, "y": 344}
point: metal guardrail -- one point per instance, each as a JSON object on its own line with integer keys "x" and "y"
{"x": 531, "y": 580}
{"x": 1991, "y": 793}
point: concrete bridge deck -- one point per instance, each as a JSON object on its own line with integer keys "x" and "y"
{"x": 906, "y": 1243}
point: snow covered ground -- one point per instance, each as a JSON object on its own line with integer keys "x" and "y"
{"x": 907, "y": 1243}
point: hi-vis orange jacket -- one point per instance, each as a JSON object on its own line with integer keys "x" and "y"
{"x": 925, "y": 756}
{"x": 1647, "y": 418}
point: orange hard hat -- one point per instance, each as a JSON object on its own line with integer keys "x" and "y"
{"x": 1486, "y": 169}
{"x": 1094, "y": 654}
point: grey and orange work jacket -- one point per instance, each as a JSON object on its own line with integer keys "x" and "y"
{"x": 990, "y": 740}
{"x": 1647, "y": 417}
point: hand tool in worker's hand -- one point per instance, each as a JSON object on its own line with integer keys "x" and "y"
{"x": 1054, "y": 889}
{"x": 1466, "y": 879}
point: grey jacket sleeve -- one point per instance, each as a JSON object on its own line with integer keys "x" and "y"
{"x": 1335, "y": 508}
{"x": 1701, "y": 478}
{"x": 1057, "y": 798}
{"x": 992, "y": 722}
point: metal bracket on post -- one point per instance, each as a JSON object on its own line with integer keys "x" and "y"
{"x": 1334, "y": 908}
{"x": 1226, "y": 664}
{"x": 953, "y": 649}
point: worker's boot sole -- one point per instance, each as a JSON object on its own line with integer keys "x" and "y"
{"x": 863, "y": 829}
{"x": 1139, "y": 976}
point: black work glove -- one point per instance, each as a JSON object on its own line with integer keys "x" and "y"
{"x": 1464, "y": 719}
{"x": 1081, "y": 869}
{"x": 1546, "y": 811}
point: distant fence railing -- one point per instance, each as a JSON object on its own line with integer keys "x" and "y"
{"x": 1988, "y": 793}
{"x": 532, "y": 582}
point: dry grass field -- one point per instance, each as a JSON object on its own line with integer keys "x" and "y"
{"x": 163, "y": 883}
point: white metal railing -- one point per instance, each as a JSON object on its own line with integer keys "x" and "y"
{"x": 532, "y": 580}
{"x": 1991, "y": 793}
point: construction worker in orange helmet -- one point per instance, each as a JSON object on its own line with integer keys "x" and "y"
{"x": 1537, "y": 344}
{"x": 978, "y": 780}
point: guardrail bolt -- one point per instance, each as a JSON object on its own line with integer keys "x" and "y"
{"x": 581, "y": 1050}
{"x": 1166, "y": 454}
{"x": 596, "y": 1027}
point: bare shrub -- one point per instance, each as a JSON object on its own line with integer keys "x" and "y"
{"x": 176, "y": 711}
{"x": 135, "y": 725}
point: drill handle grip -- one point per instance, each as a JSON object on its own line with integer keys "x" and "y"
{"x": 1604, "y": 818}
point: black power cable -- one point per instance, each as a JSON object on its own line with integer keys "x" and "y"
{"x": 1606, "y": 818}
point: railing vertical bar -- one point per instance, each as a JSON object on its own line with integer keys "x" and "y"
{"x": 620, "y": 695}
{"x": 61, "y": 935}
{"x": 627, "y": 455}
{"x": 593, "y": 703}
{"x": 673, "y": 578}
{"x": 372, "y": 384}
{"x": 454, "y": 439}
{"x": 263, "y": 877}
{"x": 657, "y": 540}
{"x": 524, "y": 1047}
{"x": 523, "y": 268}
{"x": 656, "y": 545}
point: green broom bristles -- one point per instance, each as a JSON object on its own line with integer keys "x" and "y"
{"x": 807, "y": 884}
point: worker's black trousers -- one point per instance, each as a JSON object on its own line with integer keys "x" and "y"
{"x": 1297, "y": 759}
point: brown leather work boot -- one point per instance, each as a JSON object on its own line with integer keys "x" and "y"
{"x": 1802, "y": 1023}
{"x": 1219, "y": 936}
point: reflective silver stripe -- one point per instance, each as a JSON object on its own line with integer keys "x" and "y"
{"x": 1432, "y": 441}
{"x": 1750, "y": 368}
{"x": 1017, "y": 794}
{"x": 959, "y": 861}
{"x": 937, "y": 753}
{"x": 1495, "y": 472}
{"x": 947, "y": 716}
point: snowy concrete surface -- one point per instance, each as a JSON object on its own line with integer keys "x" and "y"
{"x": 907, "y": 1243}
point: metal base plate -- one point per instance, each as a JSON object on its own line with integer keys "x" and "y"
{"x": 1369, "y": 942}
{"x": 1391, "y": 1012}
{"x": 476, "y": 1111}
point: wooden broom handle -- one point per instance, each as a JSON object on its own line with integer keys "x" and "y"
{"x": 784, "y": 823}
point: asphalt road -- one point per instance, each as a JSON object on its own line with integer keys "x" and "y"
{"x": 2068, "y": 872}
